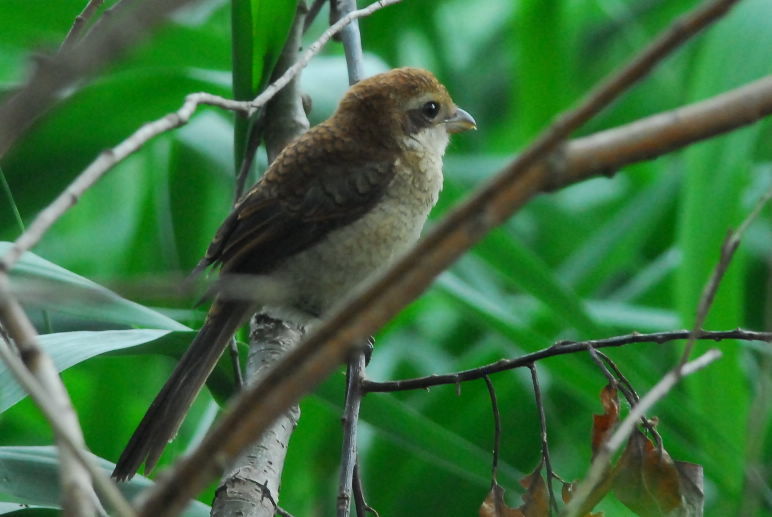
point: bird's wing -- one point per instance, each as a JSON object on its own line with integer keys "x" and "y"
{"x": 319, "y": 183}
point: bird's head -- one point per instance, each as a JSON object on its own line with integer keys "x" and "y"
{"x": 405, "y": 108}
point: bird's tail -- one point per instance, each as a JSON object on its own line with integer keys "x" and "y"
{"x": 165, "y": 415}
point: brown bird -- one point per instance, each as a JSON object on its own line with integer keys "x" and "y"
{"x": 338, "y": 204}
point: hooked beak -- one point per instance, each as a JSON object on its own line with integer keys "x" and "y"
{"x": 460, "y": 121}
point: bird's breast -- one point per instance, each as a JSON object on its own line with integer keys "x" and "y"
{"x": 325, "y": 273}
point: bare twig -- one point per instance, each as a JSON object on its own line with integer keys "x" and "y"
{"x": 285, "y": 118}
{"x": 359, "y": 495}
{"x": 99, "y": 47}
{"x": 233, "y": 351}
{"x": 313, "y": 11}
{"x": 350, "y": 419}
{"x": 26, "y": 380}
{"x": 352, "y": 44}
{"x": 625, "y": 428}
{"x": 77, "y": 493}
{"x": 545, "y": 450}
{"x": 496, "y": 427}
{"x": 731, "y": 243}
{"x": 565, "y": 347}
{"x": 80, "y": 23}
{"x": 618, "y": 380}
{"x": 103, "y": 163}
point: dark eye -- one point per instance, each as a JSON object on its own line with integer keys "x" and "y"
{"x": 430, "y": 109}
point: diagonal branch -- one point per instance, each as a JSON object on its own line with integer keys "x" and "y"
{"x": 80, "y": 23}
{"x": 43, "y": 400}
{"x": 75, "y": 62}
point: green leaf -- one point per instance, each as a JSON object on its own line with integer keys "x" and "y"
{"x": 70, "y": 348}
{"x": 529, "y": 272}
{"x": 260, "y": 29}
{"x": 45, "y": 285}
{"x": 30, "y": 475}
{"x": 717, "y": 175}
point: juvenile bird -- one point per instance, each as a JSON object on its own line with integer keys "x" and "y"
{"x": 338, "y": 204}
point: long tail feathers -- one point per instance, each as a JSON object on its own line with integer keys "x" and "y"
{"x": 166, "y": 413}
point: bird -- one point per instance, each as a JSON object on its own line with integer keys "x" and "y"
{"x": 338, "y": 204}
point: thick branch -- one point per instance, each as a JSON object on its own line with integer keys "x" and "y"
{"x": 251, "y": 486}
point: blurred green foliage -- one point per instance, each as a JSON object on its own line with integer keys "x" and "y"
{"x": 605, "y": 257}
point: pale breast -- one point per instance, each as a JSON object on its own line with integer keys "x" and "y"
{"x": 325, "y": 273}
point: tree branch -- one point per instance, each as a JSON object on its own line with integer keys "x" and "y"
{"x": 80, "y": 23}
{"x": 76, "y": 491}
{"x": 52, "y": 413}
{"x": 250, "y": 488}
{"x": 75, "y": 62}
{"x": 564, "y": 347}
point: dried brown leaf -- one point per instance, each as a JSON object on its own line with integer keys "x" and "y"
{"x": 494, "y": 505}
{"x": 603, "y": 424}
{"x": 647, "y": 480}
{"x": 536, "y": 500}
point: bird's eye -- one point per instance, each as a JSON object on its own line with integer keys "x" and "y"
{"x": 430, "y": 109}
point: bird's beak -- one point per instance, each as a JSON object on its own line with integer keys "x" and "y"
{"x": 460, "y": 121}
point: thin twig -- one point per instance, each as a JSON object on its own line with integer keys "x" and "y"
{"x": 352, "y": 44}
{"x": 37, "y": 393}
{"x": 731, "y": 243}
{"x": 565, "y": 347}
{"x": 101, "y": 165}
{"x": 282, "y": 512}
{"x": 11, "y": 201}
{"x": 617, "y": 379}
{"x": 625, "y": 428}
{"x": 624, "y": 384}
{"x": 496, "y": 427}
{"x": 80, "y": 23}
{"x": 97, "y": 49}
{"x": 354, "y": 378}
{"x": 545, "y": 450}
{"x": 233, "y": 350}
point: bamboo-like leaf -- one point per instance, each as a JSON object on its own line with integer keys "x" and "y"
{"x": 259, "y": 29}
{"x": 43, "y": 284}
{"x": 30, "y": 476}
